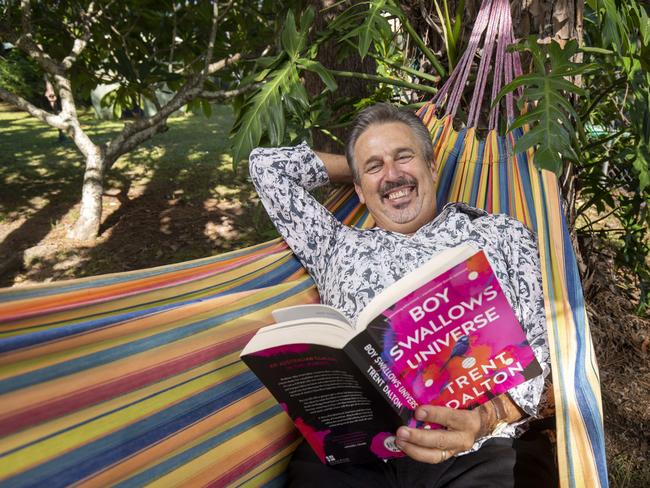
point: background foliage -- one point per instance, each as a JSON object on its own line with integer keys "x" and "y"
{"x": 20, "y": 75}
{"x": 588, "y": 113}
{"x": 587, "y": 104}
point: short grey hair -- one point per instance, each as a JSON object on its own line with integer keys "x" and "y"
{"x": 383, "y": 113}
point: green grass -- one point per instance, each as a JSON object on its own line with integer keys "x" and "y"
{"x": 34, "y": 165}
{"x": 175, "y": 197}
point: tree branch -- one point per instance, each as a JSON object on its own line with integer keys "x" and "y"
{"x": 27, "y": 44}
{"x": 211, "y": 40}
{"x": 113, "y": 152}
{"x": 55, "y": 121}
{"x": 208, "y": 68}
{"x": 175, "y": 8}
{"x": 187, "y": 92}
{"x": 26, "y": 18}
{"x": 222, "y": 95}
{"x": 89, "y": 18}
{"x": 142, "y": 129}
{"x": 77, "y": 47}
{"x": 33, "y": 50}
{"x": 223, "y": 63}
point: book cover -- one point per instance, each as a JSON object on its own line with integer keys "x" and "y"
{"x": 455, "y": 341}
{"x": 342, "y": 416}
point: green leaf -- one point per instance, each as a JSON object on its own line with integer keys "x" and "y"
{"x": 290, "y": 38}
{"x": 372, "y": 24}
{"x": 552, "y": 120}
{"x": 642, "y": 166}
{"x": 596, "y": 50}
{"x": 527, "y": 118}
{"x": 307, "y": 19}
{"x": 262, "y": 112}
{"x": 320, "y": 70}
{"x": 296, "y": 100}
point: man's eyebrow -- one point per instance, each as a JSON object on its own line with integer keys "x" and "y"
{"x": 370, "y": 159}
{"x": 400, "y": 149}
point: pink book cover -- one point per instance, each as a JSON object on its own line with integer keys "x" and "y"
{"x": 455, "y": 341}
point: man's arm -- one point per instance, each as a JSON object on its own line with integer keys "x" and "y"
{"x": 336, "y": 166}
{"x": 283, "y": 178}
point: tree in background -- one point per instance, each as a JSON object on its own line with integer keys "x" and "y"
{"x": 190, "y": 49}
{"x": 20, "y": 75}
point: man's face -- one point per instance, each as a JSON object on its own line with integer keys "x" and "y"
{"x": 395, "y": 182}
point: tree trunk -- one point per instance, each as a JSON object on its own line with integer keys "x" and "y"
{"x": 548, "y": 19}
{"x": 328, "y": 55}
{"x": 90, "y": 213}
{"x": 560, "y": 20}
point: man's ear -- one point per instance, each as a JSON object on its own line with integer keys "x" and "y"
{"x": 434, "y": 172}
{"x": 359, "y": 191}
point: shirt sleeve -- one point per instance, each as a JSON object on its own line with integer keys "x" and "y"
{"x": 283, "y": 178}
{"x": 525, "y": 273}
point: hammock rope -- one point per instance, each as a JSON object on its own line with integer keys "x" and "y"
{"x": 134, "y": 379}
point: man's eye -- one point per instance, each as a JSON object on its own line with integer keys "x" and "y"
{"x": 404, "y": 157}
{"x": 373, "y": 168}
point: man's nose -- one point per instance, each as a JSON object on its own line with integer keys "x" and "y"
{"x": 392, "y": 169}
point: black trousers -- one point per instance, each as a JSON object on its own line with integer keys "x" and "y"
{"x": 526, "y": 462}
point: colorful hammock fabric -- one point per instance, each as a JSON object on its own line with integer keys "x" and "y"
{"x": 134, "y": 379}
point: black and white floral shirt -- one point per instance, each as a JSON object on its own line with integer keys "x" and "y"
{"x": 350, "y": 266}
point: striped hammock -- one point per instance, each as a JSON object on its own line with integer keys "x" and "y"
{"x": 134, "y": 379}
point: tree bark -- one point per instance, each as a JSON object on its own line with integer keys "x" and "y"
{"x": 90, "y": 212}
{"x": 549, "y": 19}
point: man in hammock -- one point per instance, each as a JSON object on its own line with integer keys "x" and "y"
{"x": 389, "y": 160}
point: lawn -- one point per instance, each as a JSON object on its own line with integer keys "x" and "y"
{"x": 178, "y": 193}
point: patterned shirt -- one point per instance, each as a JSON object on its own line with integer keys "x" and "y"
{"x": 350, "y": 265}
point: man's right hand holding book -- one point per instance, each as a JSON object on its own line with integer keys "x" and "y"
{"x": 462, "y": 428}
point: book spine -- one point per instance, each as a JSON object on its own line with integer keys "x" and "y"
{"x": 366, "y": 355}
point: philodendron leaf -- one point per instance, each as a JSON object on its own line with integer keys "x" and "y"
{"x": 320, "y": 70}
{"x": 642, "y": 166}
{"x": 262, "y": 112}
{"x": 307, "y": 19}
{"x": 372, "y": 24}
{"x": 548, "y": 118}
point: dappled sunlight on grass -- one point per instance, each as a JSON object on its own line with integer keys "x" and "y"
{"x": 175, "y": 197}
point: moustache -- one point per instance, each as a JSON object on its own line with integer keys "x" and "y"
{"x": 401, "y": 181}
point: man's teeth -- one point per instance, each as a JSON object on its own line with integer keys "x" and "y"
{"x": 398, "y": 194}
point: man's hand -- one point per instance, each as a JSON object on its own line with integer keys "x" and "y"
{"x": 336, "y": 166}
{"x": 461, "y": 428}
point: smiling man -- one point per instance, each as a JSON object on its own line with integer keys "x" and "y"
{"x": 390, "y": 161}
{"x": 393, "y": 173}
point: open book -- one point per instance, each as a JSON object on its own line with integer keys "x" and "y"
{"x": 443, "y": 334}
